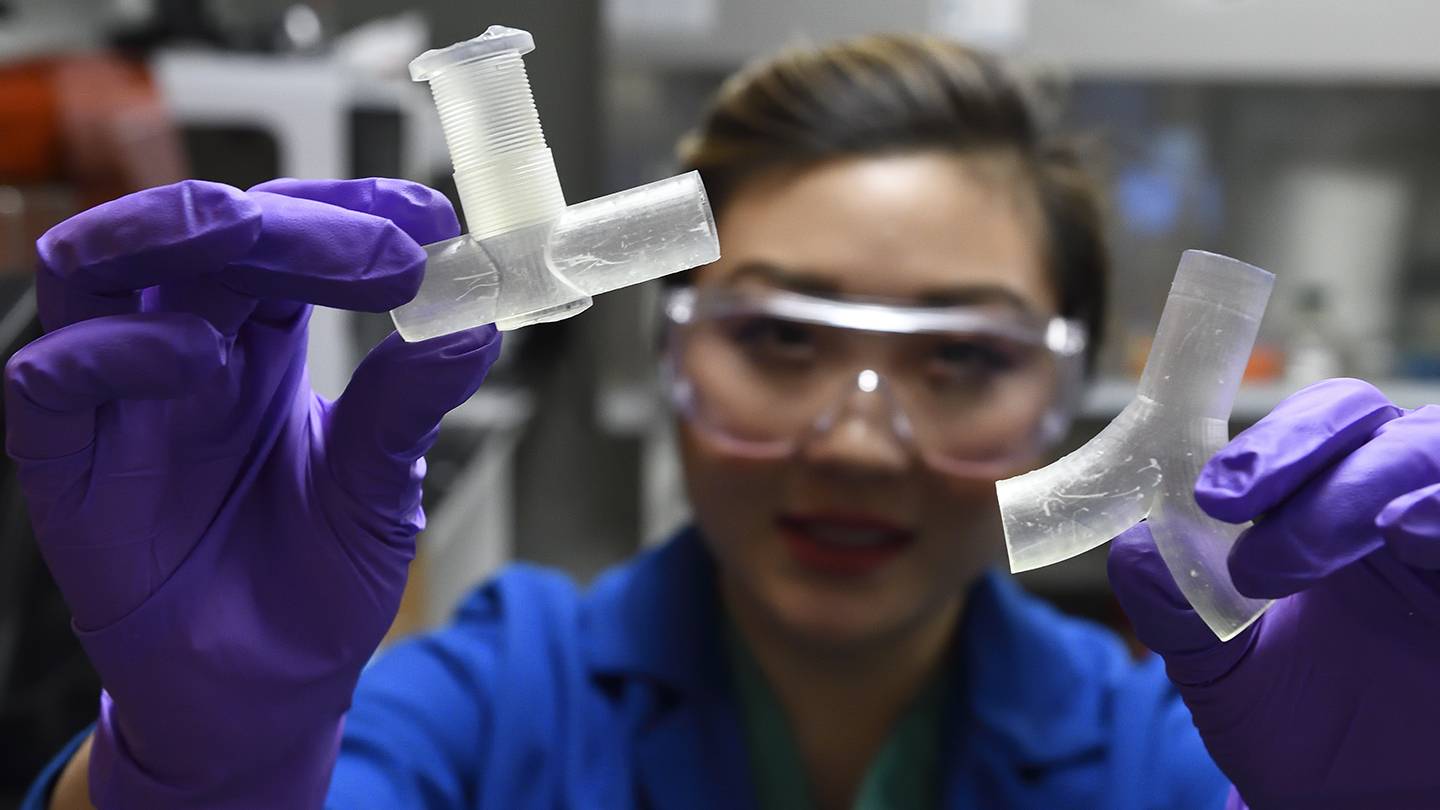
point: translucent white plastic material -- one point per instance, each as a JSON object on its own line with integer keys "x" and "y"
{"x": 1144, "y": 464}
{"x": 528, "y": 258}
{"x": 550, "y": 270}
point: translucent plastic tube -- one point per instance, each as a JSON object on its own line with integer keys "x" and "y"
{"x": 529, "y": 258}
{"x": 1144, "y": 464}
{"x": 550, "y": 270}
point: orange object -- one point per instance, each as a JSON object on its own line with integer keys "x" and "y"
{"x": 76, "y": 131}
{"x": 30, "y": 142}
{"x": 1267, "y": 364}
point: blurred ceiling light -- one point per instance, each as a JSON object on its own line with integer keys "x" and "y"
{"x": 302, "y": 27}
{"x": 994, "y": 24}
{"x": 131, "y": 12}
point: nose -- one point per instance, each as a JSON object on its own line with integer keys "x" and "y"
{"x": 862, "y": 435}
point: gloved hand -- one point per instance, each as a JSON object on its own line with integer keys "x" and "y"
{"x": 232, "y": 546}
{"x": 1332, "y": 698}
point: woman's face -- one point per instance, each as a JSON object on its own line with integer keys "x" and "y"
{"x": 915, "y": 227}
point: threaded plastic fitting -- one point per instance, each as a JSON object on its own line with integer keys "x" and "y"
{"x": 528, "y": 258}
{"x": 504, "y": 171}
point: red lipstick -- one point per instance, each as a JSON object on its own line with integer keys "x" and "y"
{"x": 843, "y": 545}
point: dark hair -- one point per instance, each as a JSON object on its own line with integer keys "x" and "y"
{"x": 889, "y": 93}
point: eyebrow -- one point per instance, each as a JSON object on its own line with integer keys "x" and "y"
{"x": 960, "y": 295}
{"x": 794, "y": 280}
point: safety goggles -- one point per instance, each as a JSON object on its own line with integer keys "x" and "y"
{"x": 971, "y": 390}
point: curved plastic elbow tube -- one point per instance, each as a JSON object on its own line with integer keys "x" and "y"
{"x": 1144, "y": 464}
{"x": 549, "y": 271}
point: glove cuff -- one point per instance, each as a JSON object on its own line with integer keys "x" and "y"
{"x": 294, "y": 774}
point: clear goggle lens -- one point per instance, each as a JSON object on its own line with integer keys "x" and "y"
{"x": 970, "y": 389}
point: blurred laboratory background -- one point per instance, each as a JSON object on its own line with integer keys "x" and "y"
{"x": 1299, "y": 135}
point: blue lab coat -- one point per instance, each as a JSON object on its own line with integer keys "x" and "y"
{"x": 541, "y": 695}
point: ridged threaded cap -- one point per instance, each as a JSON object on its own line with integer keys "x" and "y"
{"x": 496, "y": 39}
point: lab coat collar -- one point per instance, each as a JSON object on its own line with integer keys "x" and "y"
{"x": 1020, "y": 693}
{"x": 1025, "y": 681}
{"x": 659, "y": 619}
{"x": 657, "y": 623}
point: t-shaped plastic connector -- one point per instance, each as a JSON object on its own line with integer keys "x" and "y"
{"x": 529, "y": 258}
{"x": 1145, "y": 462}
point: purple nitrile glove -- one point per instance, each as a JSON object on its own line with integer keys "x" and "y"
{"x": 232, "y": 546}
{"x": 1332, "y": 698}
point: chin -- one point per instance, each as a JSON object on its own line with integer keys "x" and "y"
{"x": 842, "y": 619}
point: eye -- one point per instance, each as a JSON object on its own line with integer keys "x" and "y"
{"x": 972, "y": 361}
{"x": 774, "y": 339}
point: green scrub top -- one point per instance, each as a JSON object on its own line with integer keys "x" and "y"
{"x": 905, "y": 774}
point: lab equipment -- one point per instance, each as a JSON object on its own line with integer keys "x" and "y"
{"x": 970, "y": 389}
{"x": 1314, "y": 352}
{"x": 231, "y": 545}
{"x": 1145, "y": 462}
{"x": 1329, "y": 700}
{"x": 1343, "y": 228}
{"x": 528, "y": 258}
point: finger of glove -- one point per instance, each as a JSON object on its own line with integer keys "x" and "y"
{"x": 1410, "y": 525}
{"x": 313, "y": 253}
{"x": 1304, "y": 435}
{"x": 54, "y": 385}
{"x": 1163, "y": 620}
{"x": 421, "y": 212}
{"x": 93, "y": 264}
{"x": 60, "y": 305}
{"x": 389, "y": 414}
{"x": 1331, "y": 521}
{"x": 355, "y": 247}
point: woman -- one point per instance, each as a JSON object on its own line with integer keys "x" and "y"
{"x": 912, "y": 271}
